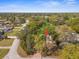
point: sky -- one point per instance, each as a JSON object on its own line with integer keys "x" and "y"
{"x": 39, "y": 6}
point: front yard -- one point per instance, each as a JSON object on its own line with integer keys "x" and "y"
{"x": 3, "y": 52}
{"x": 5, "y": 43}
{"x": 13, "y": 32}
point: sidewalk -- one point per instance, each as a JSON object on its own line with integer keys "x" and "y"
{"x": 5, "y": 47}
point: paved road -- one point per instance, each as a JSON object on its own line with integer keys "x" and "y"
{"x": 12, "y": 54}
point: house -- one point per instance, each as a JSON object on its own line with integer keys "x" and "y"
{"x": 6, "y": 25}
{"x": 60, "y": 21}
{"x": 17, "y": 21}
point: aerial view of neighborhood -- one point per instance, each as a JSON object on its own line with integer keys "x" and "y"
{"x": 39, "y": 29}
{"x": 39, "y": 36}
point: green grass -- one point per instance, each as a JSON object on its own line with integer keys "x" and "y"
{"x": 13, "y": 32}
{"x": 6, "y": 42}
{"x": 3, "y": 52}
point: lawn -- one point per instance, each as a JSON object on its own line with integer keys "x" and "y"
{"x": 6, "y": 42}
{"x": 13, "y": 32}
{"x": 3, "y": 52}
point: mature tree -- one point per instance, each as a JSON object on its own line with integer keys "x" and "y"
{"x": 74, "y": 24}
{"x": 70, "y": 51}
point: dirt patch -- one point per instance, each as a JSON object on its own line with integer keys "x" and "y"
{"x": 21, "y": 52}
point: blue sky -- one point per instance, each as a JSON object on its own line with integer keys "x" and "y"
{"x": 39, "y": 5}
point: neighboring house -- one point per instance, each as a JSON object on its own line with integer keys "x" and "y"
{"x": 70, "y": 38}
{"x": 59, "y": 21}
{"x": 6, "y": 25}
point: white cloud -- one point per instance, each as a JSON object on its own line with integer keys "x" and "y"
{"x": 11, "y": 7}
{"x": 71, "y": 2}
{"x": 49, "y": 3}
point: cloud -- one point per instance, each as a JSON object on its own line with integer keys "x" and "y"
{"x": 16, "y": 8}
{"x": 71, "y": 2}
{"x": 50, "y": 3}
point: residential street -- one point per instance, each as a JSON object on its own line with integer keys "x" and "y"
{"x": 12, "y": 54}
